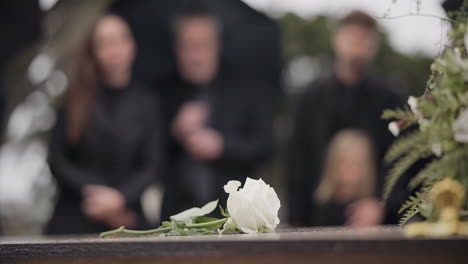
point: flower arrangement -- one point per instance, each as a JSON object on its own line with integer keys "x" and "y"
{"x": 440, "y": 117}
{"x": 251, "y": 209}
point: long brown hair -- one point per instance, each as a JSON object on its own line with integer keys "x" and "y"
{"x": 81, "y": 95}
{"x": 349, "y": 140}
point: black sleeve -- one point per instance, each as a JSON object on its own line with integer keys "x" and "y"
{"x": 258, "y": 144}
{"x": 151, "y": 157}
{"x": 2, "y": 105}
{"x": 63, "y": 167}
{"x": 307, "y": 143}
{"x": 297, "y": 165}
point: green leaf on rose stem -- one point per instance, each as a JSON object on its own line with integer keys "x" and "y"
{"x": 195, "y": 212}
{"x": 230, "y": 225}
{"x": 181, "y": 232}
{"x": 166, "y": 224}
{"x": 207, "y": 220}
{"x": 223, "y": 212}
{"x": 204, "y": 219}
{"x": 176, "y": 224}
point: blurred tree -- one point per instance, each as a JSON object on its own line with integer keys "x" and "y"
{"x": 302, "y": 36}
{"x": 311, "y": 37}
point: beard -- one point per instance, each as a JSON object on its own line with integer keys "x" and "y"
{"x": 359, "y": 65}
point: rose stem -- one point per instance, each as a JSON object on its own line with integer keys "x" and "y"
{"x": 122, "y": 230}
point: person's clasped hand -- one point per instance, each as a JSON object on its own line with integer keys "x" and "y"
{"x": 191, "y": 117}
{"x": 106, "y": 204}
{"x": 205, "y": 144}
{"x": 365, "y": 213}
{"x": 202, "y": 142}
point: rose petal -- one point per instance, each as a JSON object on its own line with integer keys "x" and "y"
{"x": 232, "y": 186}
{"x": 195, "y": 212}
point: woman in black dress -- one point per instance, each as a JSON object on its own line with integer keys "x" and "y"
{"x": 105, "y": 149}
{"x": 346, "y": 194}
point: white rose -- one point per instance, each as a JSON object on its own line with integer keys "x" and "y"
{"x": 460, "y": 127}
{"x": 253, "y": 208}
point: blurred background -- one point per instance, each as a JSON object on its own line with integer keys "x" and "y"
{"x": 288, "y": 43}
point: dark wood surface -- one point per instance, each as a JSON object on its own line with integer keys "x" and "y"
{"x": 317, "y": 245}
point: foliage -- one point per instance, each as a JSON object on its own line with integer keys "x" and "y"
{"x": 434, "y": 114}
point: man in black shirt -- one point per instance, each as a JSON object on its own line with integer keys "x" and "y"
{"x": 219, "y": 126}
{"x": 351, "y": 98}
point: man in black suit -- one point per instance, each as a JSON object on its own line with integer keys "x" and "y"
{"x": 351, "y": 98}
{"x": 219, "y": 126}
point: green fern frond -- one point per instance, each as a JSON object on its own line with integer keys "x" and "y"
{"x": 412, "y": 206}
{"x": 400, "y": 167}
{"x": 439, "y": 168}
{"x": 412, "y": 211}
{"x": 403, "y": 145}
{"x": 413, "y": 200}
{"x": 397, "y": 114}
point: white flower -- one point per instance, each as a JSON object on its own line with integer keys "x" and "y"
{"x": 466, "y": 40}
{"x": 437, "y": 149}
{"x": 460, "y": 127}
{"x": 253, "y": 208}
{"x": 413, "y": 103}
{"x": 394, "y": 128}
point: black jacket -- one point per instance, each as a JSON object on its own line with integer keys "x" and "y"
{"x": 242, "y": 111}
{"x": 327, "y": 107}
{"x": 120, "y": 148}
